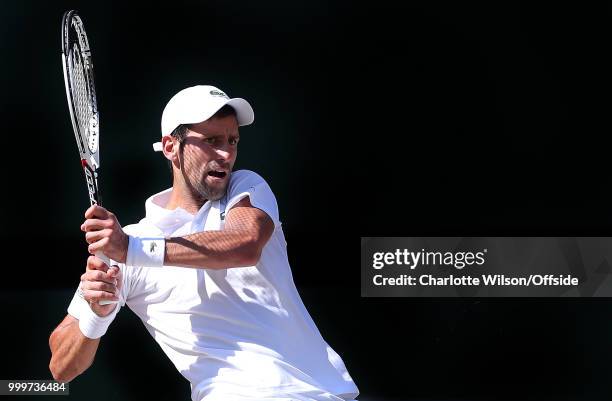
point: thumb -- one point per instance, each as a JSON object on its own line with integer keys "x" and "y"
{"x": 113, "y": 271}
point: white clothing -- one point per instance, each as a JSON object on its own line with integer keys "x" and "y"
{"x": 238, "y": 333}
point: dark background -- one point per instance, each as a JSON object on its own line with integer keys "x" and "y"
{"x": 372, "y": 119}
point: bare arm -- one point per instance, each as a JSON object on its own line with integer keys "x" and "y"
{"x": 247, "y": 230}
{"x": 72, "y": 352}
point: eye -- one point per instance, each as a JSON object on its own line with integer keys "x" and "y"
{"x": 233, "y": 141}
{"x": 210, "y": 141}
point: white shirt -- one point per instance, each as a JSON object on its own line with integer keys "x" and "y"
{"x": 235, "y": 334}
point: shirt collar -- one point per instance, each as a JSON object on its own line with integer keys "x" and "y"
{"x": 165, "y": 219}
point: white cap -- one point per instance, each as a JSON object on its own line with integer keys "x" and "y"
{"x": 198, "y": 103}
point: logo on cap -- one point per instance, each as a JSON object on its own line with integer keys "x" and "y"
{"x": 218, "y": 93}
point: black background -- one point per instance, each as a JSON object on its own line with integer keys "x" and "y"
{"x": 372, "y": 119}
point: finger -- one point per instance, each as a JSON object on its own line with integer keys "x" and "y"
{"x": 98, "y": 286}
{"x": 95, "y": 263}
{"x": 90, "y": 211}
{"x": 96, "y": 275}
{"x": 96, "y": 296}
{"x": 113, "y": 271}
{"x": 98, "y": 246}
{"x": 117, "y": 275}
{"x": 95, "y": 225}
{"x": 96, "y": 211}
{"x": 94, "y": 236}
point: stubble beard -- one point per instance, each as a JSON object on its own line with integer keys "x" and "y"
{"x": 204, "y": 192}
{"x": 199, "y": 189}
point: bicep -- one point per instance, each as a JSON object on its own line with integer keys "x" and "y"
{"x": 253, "y": 222}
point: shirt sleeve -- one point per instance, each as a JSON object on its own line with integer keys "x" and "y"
{"x": 248, "y": 183}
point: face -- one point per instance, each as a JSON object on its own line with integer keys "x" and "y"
{"x": 207, "y": 156}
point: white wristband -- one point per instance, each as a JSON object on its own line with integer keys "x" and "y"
{"x": 146, "y": 251}
{"x": 93, "y": 326}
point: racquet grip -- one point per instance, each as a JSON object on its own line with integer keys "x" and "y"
{"x": 106, "y": 260}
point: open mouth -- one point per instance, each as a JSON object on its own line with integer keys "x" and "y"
{"x": 217, "y": 174}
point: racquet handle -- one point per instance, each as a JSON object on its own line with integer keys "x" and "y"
{"x": 106, "y": 260}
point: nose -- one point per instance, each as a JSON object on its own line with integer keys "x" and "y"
{"x": 224, "y": 152}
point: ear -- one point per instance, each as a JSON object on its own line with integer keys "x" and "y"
{"x": 170, "y": 147}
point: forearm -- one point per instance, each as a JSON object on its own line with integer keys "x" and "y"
{"x": 213, "y": 250}
{"x": 71, "y": 352}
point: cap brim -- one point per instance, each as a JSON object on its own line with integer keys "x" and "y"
{"x": 244, "y": 111}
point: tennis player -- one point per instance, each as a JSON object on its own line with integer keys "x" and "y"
{"x": 207, "y": 272}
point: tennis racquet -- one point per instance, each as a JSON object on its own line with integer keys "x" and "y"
{"x": 81, "y": 94}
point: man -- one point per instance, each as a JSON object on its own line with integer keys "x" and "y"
{"x": 207, "y": 272}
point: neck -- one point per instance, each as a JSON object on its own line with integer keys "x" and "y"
{"x": 183, "y": 198}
